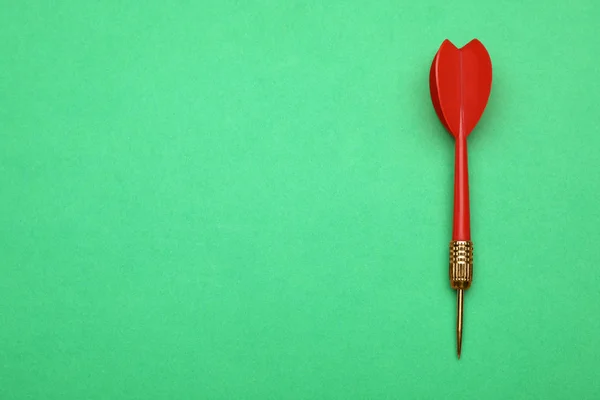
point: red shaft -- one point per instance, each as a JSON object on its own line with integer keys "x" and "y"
{"x": 462, "y": 215}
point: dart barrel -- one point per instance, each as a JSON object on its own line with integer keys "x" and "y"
{"x": 461, "y": 264}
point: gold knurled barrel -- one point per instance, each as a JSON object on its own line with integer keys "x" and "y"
{"x": 461, "y": 264}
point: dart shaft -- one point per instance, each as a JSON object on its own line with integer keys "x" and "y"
{"x": 462, "y": 215}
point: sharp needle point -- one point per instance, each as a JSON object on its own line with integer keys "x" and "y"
{"x": 459, "y": 320}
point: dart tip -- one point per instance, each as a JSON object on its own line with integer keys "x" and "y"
{"x": 459, "y": 320}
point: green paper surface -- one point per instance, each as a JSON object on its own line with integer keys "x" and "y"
{"x": 252, "y": 200}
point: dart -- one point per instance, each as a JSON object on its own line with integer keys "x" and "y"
{"x": 460, "y": 82}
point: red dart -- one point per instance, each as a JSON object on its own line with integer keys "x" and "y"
{"x": 460, "y": 82}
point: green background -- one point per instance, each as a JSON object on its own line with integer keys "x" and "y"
{"x": 252, "y": 199}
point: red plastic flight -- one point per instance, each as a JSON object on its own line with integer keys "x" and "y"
{"x": 460, "y": 82}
